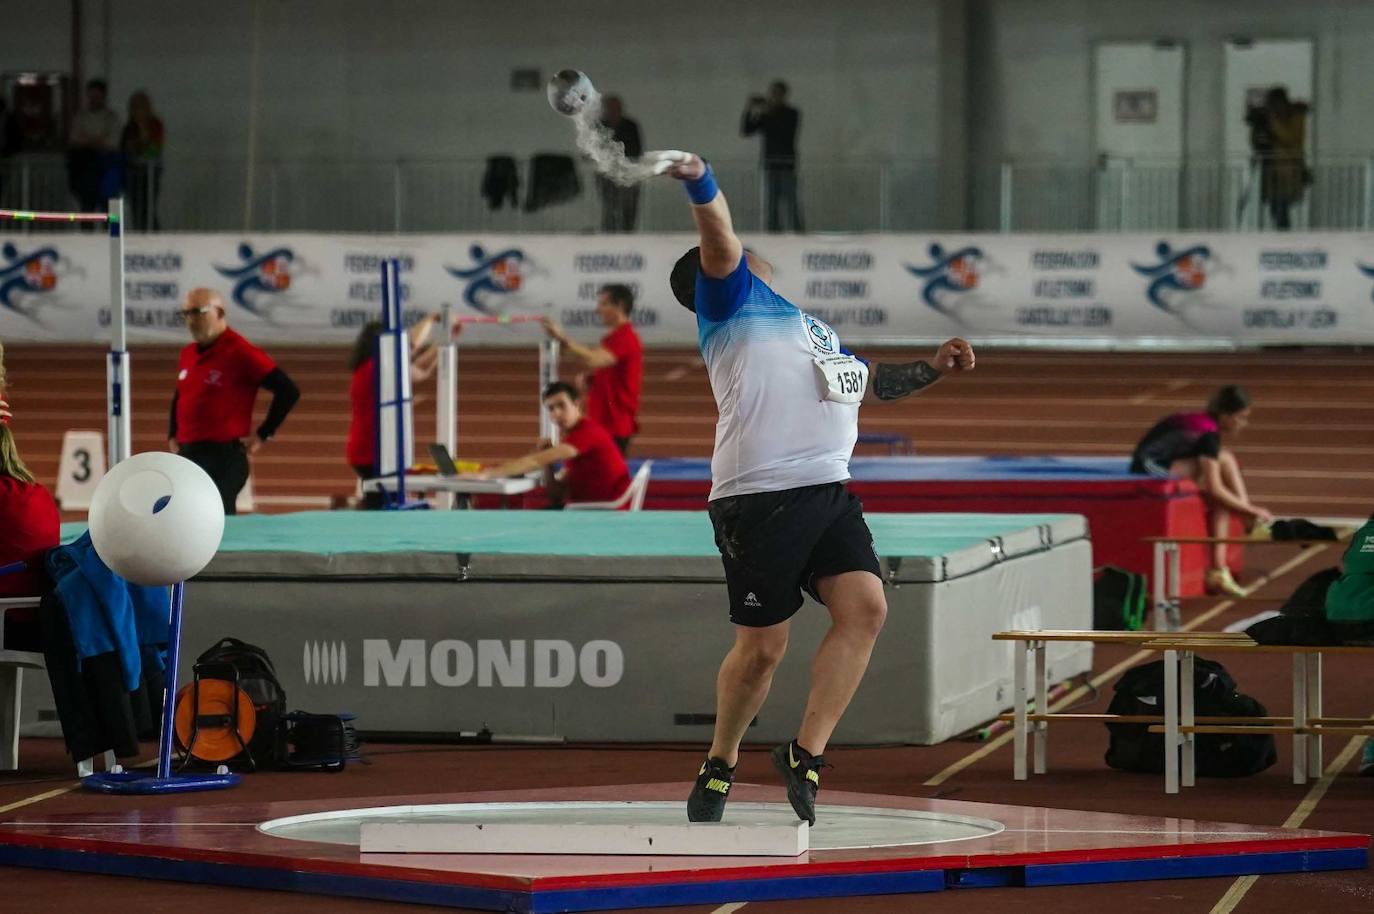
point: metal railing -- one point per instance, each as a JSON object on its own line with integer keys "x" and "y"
{"x": 1143, "y": 196}
{"x": 445, "y": 195}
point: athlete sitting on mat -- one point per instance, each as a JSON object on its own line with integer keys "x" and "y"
{"x": 785, "y": 523}
{"x": 593, "y": 469}
{"x": 1189, "y": 446}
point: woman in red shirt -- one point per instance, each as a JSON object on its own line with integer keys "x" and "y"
{"x": 29, "y": 527}
{"x": 361, "y": 448}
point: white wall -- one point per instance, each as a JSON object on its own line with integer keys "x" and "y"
{"x": 1037, "y": 76}
{"x": 430, "y": 78}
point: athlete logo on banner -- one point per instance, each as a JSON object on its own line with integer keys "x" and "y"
{"x": 1177, "y": 279}
{"x": 25, "y": 276}
{"x": 259, "y": 277}
{"x": 493, "y": 279}
{"x": 950, "y": 279}
{"x": 1367, "y": 271}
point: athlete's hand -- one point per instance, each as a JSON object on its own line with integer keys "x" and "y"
{"x": 553, "y": 330}
{"x": 1262, "y": 515}
{"x": 252, "y": 444}
{"x": 955, "y": 355}
{"x": 172, "y": 445}
{"x": 685, "y": 166}
{"x": 5, "y": 414}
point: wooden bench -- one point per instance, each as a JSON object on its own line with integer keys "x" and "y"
{"x": 1030, "y": 647}
{"x": 1306, "y": 725}
{"x": 1178, "y": 722}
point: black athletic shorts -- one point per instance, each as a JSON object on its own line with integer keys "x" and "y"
{"x": 774, "y": 545}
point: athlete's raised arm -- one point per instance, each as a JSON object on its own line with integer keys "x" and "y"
{"x": 720, "y": 246}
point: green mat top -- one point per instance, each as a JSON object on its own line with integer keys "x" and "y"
{"x": 645, "y": 533}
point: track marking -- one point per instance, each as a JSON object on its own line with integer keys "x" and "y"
{"x": 1176, "y": 384}
{"x": 1236, "y": 893}
{"x": 59, "y": 791}
{"x": 1100, "y": 679}
{"x": 729, "y": 908}
{"x": 38, "y": 798}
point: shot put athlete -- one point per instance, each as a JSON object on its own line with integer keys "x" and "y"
{"x": 785, "y": 523}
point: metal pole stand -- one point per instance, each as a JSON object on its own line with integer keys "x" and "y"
{"x": 118, "y": 780}
{"x": 548, "y": 373}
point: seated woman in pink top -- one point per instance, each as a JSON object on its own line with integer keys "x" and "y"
{"x": 1190, "y": 446}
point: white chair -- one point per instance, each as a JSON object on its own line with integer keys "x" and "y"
{"x": 12, "y": 666}
{"x": 633, "y": 495}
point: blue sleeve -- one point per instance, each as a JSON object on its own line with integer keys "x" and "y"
{"x": 845, "y": 351}
{"x": 719, "y": 299}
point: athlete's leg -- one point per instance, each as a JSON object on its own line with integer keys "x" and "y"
{"x": 742, "y": 684}
{"x": 1230, "y": 474}
{"x": 858, "y": 609}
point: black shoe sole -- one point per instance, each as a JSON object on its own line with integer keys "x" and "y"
{"x": 799, "y": 804}
{"x": 709, "y": 811}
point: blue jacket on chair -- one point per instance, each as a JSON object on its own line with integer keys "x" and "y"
{"x": 105, "y": 612}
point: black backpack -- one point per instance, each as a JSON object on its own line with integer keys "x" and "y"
{"x": 1120, "y": 599}
{"x": 249, "y": 666}
{"x": 1140, "y": 691}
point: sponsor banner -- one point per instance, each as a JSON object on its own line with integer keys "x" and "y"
{"x": 1093, "y": 289}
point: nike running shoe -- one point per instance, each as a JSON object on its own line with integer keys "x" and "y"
{"x": 712, "y": 789}
{"x": 801, "y": 772}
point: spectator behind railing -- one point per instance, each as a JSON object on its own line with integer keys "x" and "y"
{"x": 93, "y": 170}
{"x": 1278, "y": 138}
{"x": 9, "y": 141}
{"x": 142, "y": 145}
{"x": 619, "y": 205}
{"x": 778, "y": 123}
{"x": 29, "y": 527}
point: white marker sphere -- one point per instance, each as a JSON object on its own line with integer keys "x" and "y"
{"x": 156, "y": 519}
{"x": 569, "y": 91}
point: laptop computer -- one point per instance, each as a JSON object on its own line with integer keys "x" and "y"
{"x": 443, "y": 460}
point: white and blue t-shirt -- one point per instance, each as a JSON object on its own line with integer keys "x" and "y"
{"x": 775, "y": 432}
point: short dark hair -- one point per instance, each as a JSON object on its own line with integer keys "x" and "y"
{"x": 683, "y": 279}
{"x": 561, "y": 387}
{"x": 780, "y": 86}
{"x": 98, "y": 83}
{"x": 621, "y": 294}
{"x": 1228, "y": 400}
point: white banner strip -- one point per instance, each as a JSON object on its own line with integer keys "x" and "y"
{"x": 1085, "y": 290}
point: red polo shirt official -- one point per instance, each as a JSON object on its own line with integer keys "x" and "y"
{"x": 613, "y": 391}
{"x": 598, "y": 472}
{"x": 216, "y": 387}
{"x": 29, "y": 527}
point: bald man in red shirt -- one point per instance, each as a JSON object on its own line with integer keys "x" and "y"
{"x": 218, "y": 377}
{"x": 617, "y": 365}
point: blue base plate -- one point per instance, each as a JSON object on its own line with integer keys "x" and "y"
{"x": 136, "y": 782}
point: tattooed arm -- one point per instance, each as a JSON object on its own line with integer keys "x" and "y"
{"x": 894, "y": 380}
